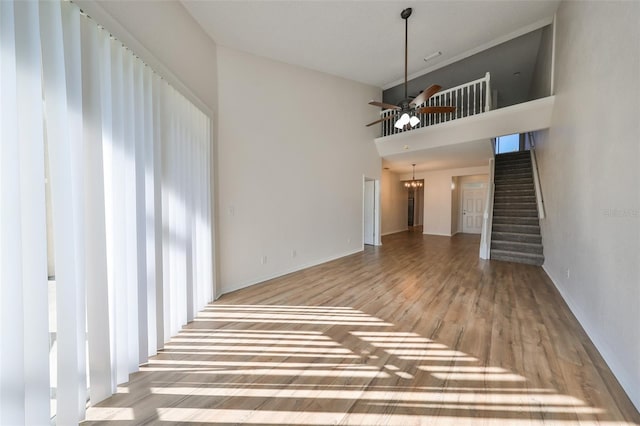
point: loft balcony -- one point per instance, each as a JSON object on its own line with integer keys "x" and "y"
{"x": 470, "y": 99}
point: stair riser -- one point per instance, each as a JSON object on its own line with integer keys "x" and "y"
{"x": 502, "y": 182}
{"x": 516, "y": 213}
{"x": 518, "y": 238}
{"x": 517, "y": 259}
{"x": 524, "y": 221}
{"x": 514, "y": 206}
{"x": 507, "y": 228}
{"x": 513, "y": 164}
{"x": 515, "y": 193}
{"x": 515, "y": 247}
{"x": 502, "y": 205}
{"x": 514, "y": 199}
{"x": 514, "y": 175}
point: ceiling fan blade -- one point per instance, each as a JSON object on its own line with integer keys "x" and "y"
{"x": 381, "y": 120}
{"x": 436, "y": 109}
{"x": 426, "y": 94}
{"x": 383, "y": 105}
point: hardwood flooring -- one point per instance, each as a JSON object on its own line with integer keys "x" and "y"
{"x": 417, "y": 331}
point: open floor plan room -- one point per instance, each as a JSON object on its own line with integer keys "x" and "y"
{"x": 416, "y": 331}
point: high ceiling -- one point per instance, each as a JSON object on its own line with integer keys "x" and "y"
{"x": 363, "y": 40}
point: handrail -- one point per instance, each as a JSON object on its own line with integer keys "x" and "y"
{"x": 469, "y": 99}
{"x": 487, "y": 217}
{"x": 536, "y": 181}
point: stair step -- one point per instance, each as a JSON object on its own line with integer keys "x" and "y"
{"x": 515, "y": 212}
{"x": 516, "y": 165}
{"x": 510, "y": 220}
{"x": 513, "y": 186}
{"x": 516, "y": 237}
{"x": 506, "y": 192}
{"x": 515, "y": 228}
{"x": 513, "y": 206}
{"x": 511, "y": 198}
{"x": 513, "y": 174}
{"x": 508, "y": 180}
{"x": 528, "y": 258}
{"x": 517, "y": 247}
{"x": 515, "y": 160}
{"x": 514, "y": 154}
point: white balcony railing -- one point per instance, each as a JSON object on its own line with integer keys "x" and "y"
{"x": 469, "y": 99}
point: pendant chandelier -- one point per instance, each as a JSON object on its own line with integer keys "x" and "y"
{"x": 413, "y": 183}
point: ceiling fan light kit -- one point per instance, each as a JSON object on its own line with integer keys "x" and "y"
{"x": 407, "y": 109}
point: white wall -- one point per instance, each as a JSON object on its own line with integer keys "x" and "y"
{"x": 541, "y": 79}
{"x": 438, "y": 197}
{"x": 588, "y": 163}
{"x": 394, "y": 203}
{"x": 292, "y": 150}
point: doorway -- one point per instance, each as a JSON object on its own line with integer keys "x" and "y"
{"x": 473, "y": 200}
{"x": 415, "y": 205}
{"x": 370, "y": 212}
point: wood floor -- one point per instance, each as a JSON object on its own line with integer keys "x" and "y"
{"x": 417, "y": 331}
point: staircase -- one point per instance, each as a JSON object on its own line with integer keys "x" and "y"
{"x": 515, "y": 235}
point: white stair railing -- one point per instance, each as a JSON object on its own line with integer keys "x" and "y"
{"x": 469, "y": 99}
{"x": 487, "y": 217}
{"x": 536, "y": 180}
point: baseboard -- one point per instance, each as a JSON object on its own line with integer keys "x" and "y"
{"x": 297, "y": 268}
{"x": 620, "y": 373}
{"x": 394, "y": 232}
{"x": 437, "y": 234}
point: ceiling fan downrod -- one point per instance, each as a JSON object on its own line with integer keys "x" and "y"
{"x": 405, "y": 15}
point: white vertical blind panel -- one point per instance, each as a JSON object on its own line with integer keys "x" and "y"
{"x": 188, "y": 193}
{"x": 210, "y": 252}
{"x": 167, "y": 223}
{"x": 11, "y": 308}
{"x": 33, "y": 323}
{"x": 162, "y": 264}
{"x": 140, "y": 128}
{"x": 150, "y": 213}
{"x": 94, "y": 210}
{"x": 70, "y": 14}
{"x": 60, "y": 145}
{"x": 130, "y": 229}
{"x": 119, "y": 211}
{"x": 108, "y": 135}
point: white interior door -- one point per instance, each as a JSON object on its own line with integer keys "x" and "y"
{"x": 369, "y": 211}
{"x": 473, "y": 196}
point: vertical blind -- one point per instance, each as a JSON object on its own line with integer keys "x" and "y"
{"x": 130, "y": 171}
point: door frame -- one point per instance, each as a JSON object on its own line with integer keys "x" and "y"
{"x": 377, "y": 239}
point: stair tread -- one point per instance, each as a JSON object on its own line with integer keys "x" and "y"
{"x": 529, "y": 258}
{"x": 519, "y": 243}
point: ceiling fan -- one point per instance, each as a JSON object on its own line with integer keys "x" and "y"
{"x": 407, "y": 108}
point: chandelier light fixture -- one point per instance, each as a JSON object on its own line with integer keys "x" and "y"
{"x": 413, "y": 183}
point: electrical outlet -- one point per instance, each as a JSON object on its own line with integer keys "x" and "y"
{"x": 568, "y": 273}
{"x": 294, "y": 253}
{"x": 263, "y": 260}
{"x": 232, "y": 211}
{"x": 349, "y": 240}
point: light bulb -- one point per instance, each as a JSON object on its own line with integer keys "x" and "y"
{"x": 414, "y": 121}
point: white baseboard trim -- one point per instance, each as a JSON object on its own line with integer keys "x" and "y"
{"x": 437, "y": 234}
{"x": 249, "y": 283}
{"x": 624, "y": 377}
{"x": 394, "y": 232}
